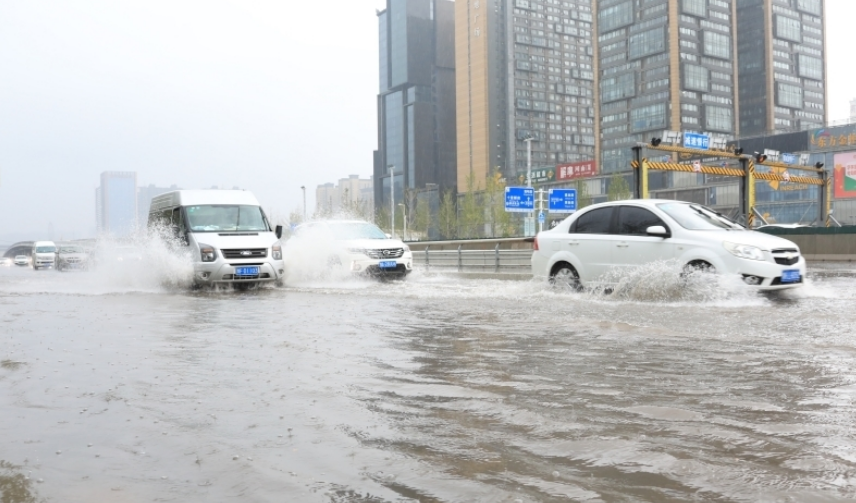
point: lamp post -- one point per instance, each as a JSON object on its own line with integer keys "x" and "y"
{"x": 303, "y": 188}
{"x": 404, "y": 215}
{"x": 530, "y": 221}
{"x": 392, "y": 198}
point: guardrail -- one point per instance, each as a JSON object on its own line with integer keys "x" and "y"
{"x": 484, "y": 261}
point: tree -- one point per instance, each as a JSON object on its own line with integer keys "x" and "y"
{"x": 448, "y": 216}
{"x": 619, "y": 189}
{"x": 498, "y": 220}
{"x": 421, "y": 215}
{"x": 382, "y": 218}
{"x": 583, "y": 196}
{"x": 471, "y": 212}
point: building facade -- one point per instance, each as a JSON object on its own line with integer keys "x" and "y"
{"x": 353, "y": 196}
{"x": 664, "y": 65}
{"x": 116, "y": 203}
{"x": 781, "y": 53}
{"x": 416, "y": 100}
{"x": 526, "y": 70}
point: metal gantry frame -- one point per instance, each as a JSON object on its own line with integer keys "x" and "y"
{"x": 746, "y": 173}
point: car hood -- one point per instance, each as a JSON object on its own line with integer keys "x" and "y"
{"x": 754, "y": 238}
{"x": 373, "y": 244}
{"x": 66, "y": 256}
{"x": 235, "y": 241}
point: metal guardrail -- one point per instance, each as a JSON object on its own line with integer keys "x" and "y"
{"x": 496, "y": 260}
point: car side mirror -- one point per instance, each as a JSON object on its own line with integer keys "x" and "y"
{"x": 388, "y": 236}
{"x": 279, "y": 232}
{"x": 658, "y": 230}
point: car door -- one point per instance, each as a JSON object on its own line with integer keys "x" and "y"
{"x": 590, "y": 241}
{"x": 633, "y": 246}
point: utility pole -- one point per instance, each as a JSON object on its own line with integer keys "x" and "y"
{"x": 531, "y": 219}
{"x": 392, "y": 198}
{"x": 303, "y": 188}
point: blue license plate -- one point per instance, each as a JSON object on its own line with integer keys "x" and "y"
{"x": 387, "y": 264}
{"x": 246, "y": 271}
{"x": 791, "y": 276}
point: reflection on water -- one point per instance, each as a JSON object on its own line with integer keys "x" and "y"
{"x": 15, "y": 487}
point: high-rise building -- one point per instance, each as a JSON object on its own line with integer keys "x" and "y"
{"x": 116, "y": 203}
{"x": 781, "y": 54}
{"x": 664, "y": 65}
{"x": 353, "y": 195}
{"x": 526, "y": 69}
{"x": 416, "y": 100}
{"x": 853, "y": 110}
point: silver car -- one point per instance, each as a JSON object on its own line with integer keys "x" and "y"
{"x": 71, "y": 258}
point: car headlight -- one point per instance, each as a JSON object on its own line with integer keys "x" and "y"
{"x": 276, "y": 252}
{"x": 406, "y": 248}
{"x": 744, "y": 251}
{"x": 358, "y": 251}
{"x": 207, "y": 253}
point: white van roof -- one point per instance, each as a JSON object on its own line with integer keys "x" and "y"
{"x": 200, "y": 197}
{"x": 44, "y": 243}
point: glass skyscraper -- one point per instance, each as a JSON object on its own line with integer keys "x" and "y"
{"x": 416, "y": 100}
{"x": 116, "y": 203}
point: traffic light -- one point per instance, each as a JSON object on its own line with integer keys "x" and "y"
{"x": 655, "y": 142}
{"x": 759, "y": 158}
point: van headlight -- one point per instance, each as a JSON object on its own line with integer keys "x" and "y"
{"x": 207, "y": 253}
{"x": 744, "y": 251}
{"x": 276, "y": 252}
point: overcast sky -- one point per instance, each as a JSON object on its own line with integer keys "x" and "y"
{"x": 264, "y": 95}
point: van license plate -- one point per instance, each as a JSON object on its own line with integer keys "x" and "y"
{"x": 790, "y": 276}
{"x": 387, "y": 264}
{"x": 246, "y": 271}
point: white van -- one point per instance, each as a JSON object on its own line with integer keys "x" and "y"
{"x": 227, "y": 233}
{"x": 44, "y": 255}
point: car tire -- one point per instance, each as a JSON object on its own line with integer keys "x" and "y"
{"x": 699, "y": 266}
{"x": 564, "y": 275}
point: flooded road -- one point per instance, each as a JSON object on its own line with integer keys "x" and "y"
{"x": 437, "y": 389}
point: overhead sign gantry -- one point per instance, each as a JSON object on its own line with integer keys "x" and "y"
{"x": 696, "y": 145}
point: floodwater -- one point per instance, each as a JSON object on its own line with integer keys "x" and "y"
{"x": 131, "y": 388}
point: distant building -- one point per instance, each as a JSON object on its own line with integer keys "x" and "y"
{"x": 781, "y": 61}
{"x": 416, "y": 99}
{"x": 116, "y": 203}
{"x": 853, "y": 110}
{"x": 144, "y": 201}
{"x": 352, "y": 194}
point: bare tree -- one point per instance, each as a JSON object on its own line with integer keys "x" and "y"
{"x": 448, "y": 215}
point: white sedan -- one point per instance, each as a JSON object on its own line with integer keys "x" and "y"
{"x": 588, "y": 245}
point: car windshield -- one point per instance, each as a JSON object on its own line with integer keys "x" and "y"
{"x": 346, "y": 230}
{"x": 225, "y": 217}
{"x": 45, "y": 249}
{"x": 698, "y": 217}
{"x": 71, "y": 249}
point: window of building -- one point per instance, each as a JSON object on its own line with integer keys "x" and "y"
{"x": 648, "y": 117}
{"x": 615, "y": 16}
{"x": 647, "y": 42}
{"x": 788, "y": 28}
{"x": 618, "y": 87}
{"x": 810, "y": 6}
{"x": 810, "y": 67}
{"x": 696, "y": 77}
{"x": 694, "y": 7}
{"x": 717, "y": 45}
{"x": 788, "y": 95}
{"x": 717, "y": 118}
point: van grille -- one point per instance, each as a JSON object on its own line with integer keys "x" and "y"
{"x": 248, "y": 253}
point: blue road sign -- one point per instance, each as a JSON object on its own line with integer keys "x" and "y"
{"x": 695, "y": 140}
{"x": 519, "y": 199}
{"x": 562, "y": 200}
{"x": 790, "y": 158}
{"x": 542, "y": 218}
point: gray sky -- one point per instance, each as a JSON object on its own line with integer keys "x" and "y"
{"x": 265, "y": 95}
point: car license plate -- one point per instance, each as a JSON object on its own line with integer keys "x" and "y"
{"x": 246, "y": 271}
{"x": 387, "y": 264}
{"x": 790, "y": 276}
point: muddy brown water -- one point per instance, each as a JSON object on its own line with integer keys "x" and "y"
{"x": 436, "y": 389}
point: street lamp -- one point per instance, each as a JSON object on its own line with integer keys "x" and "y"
{"x": 528, "y": 141}
{"x": 404, "y": 215}
{"x": 392, "y": 198}
{"x": 303, "y": 188}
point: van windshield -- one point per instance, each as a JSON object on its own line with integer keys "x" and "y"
{"x": 45, "y": 249}
{"x": 225, "y": 217}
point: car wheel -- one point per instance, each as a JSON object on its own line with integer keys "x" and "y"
{"x": 564, "y": 275}
{"x": 699, "y": 266}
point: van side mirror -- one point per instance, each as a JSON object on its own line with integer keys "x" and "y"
{"x": 658, "y": 230}
{"x": 279, "y": 232}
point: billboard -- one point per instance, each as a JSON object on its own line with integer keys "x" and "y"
{"x": 845, "y": 175}
{"x": 576, "y": 170}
